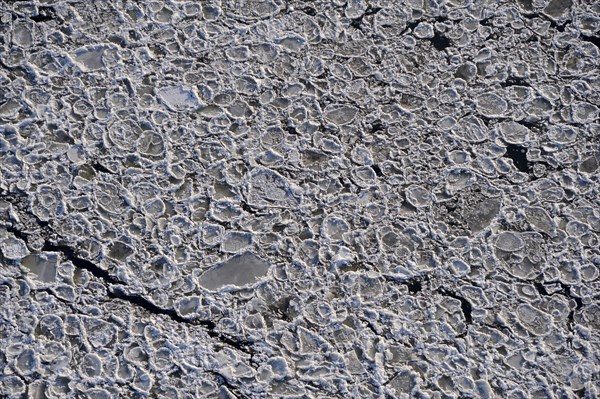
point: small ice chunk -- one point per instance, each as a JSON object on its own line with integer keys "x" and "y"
{"x": 239, "y": 270}
{"x": 491, "y": 105}
{"x": 340, "y": 114}
{"x": 471, "y": 129}
{"x": 540, "y": 219}
{"x": 236, "y": 241}
{"x": 424, "y": 31}
{"x": 268, "y": 188}
{"x": 355, "y": 8}
{"x": 90, "y": 58}
{"x": 42, "y": 265}
{"x": 14, "y": 248}
{"x": 509, "y": 241}
{"x": 418, "y": 196}
{"x": 178, "y": 97}
{"x": 514, "y": 133}
{"x": 536, "y": 321}
{"x": 292, "y": 43}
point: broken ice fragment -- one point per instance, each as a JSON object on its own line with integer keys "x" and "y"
{"x": 340, "y": 114}
{"x": 480, "y": 215}
{"x": 491, "y": 105}
{"x": 235, "y": 241}
{"x": 14, "y": 248}
{"x": 90, "y": 58}
{"x": 239, "y": 270}
{"x": 42, "y": 265}
{"x": 540, "y": 219}
{"x": 178, "y": 97}
{"x": 268, "y": 188}
{"x": 535, "y": 321}
{"x": 418, "y": 196}
{"x": 514, "y": 133}
{"x": 509, "y": 241}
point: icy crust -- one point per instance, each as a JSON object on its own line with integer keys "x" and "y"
{"x": 259, "y": 198}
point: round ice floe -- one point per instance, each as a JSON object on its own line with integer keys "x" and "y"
{"x": 509, "y": 241}
{"x": 27, "y": 362}
{"x": 514, "y": 133}
{"x": 364, "y": 176}
{"x": 91, "y": 366}
{"x": 14, "y": 248}
{"x": 340, "y": 114}
{"x": 560, "y": 134}
{"x": 178, "y": 97}
{"x": 51, "y": 327}
{"x": 584, "y": 112}
{"x": 334, "y": 228}
{"x": 111, "y": 197}
{"x": 491, "y": 105}
{"x": 471, "y": 129}
{"x": 577, "y": 229}
{"x": 418, "y": 196}
{"x": 424, "y": 30}
{"x": 534, "y": 320}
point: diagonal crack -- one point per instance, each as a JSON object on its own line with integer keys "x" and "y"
{"x": 138, "y": 300}
{"x": 465, "y": 305}
{"x": 117, "y": 291}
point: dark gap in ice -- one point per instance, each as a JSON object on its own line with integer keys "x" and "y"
{"x": 291, "y": 130}
{"x": 410, "y": 26}
{"x": 101, "y": 168}
{"x": 486, "y": 21}
{"x": 17, "y": 233}
{"x": 310, "y": 11}
{"x": 540, "y": 288}
{"x": 413, "y": 284}
{"x": 532, "y": 124}
{"x": 592, "y": 39}
{"x": 81, "y": 263}
{"x": 377, "y": 170}
{"x": 518, "y": 155}
{"x": 372, "y": 10}
{"x": 119, "y": 293}
{"x": 514, "y": 81}
{"x": 376, "y": 126}
{"x": 465, "y": 305}
{"x": 248, "y": 208}
{"x": 355, "y": 23}
{"x": 440, "y": 42}
{"x": 45, "y": 14}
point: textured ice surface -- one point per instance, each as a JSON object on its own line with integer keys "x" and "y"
{"x": 238, "y": 270}
{"x": 299, "y": 199}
